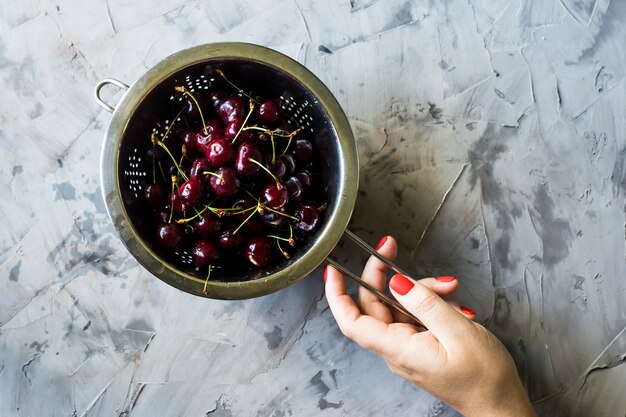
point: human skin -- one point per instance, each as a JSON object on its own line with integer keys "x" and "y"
{"x": 453, "y": 358}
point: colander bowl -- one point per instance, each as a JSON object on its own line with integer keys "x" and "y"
{"x": 303, "y": 97}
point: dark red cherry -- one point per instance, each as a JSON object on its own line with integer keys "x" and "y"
{"x": 233, "y": 128}
{"x": 278, "y": 168}
{"x": 275, "y": 197}
{"x": 259, "y": 251}
{"x": 272, "y": 218}
{"x": 230, "y": 241}
{"x": 290, "y": 164}
{"x": 305, "y": 178}
{"x": 188, "y": 138}
{"x": 217, "y": 98}
{"x": 190, "y": 192}
{"x": 169, "y": 235}
{"x": 225, "y": 183}
{"x": 173, "y": 199}
{"x": 198, "y": 169}
{"x": 294, "y": 187}
{"x": 215, "y": 126}
{"x": 269, "y": 111}
{"x": 240, "y": 204}
{"x": 204, "y": 252}
{"x": 242, "y": 163}
{"x": 155, "y": 194}
{"x": 207, "y": 225}
{"x": 162, "y": 216}
{"x": 254, "y": 227}
{"x": 308, "y": 218}
{"x": 220, "y": 153}
{"x": 214, "y": 130}
{"x": 231, "y": 109}
{"x": 303, "y": 150}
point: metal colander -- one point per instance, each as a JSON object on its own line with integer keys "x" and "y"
{"x": 148, "y": 107}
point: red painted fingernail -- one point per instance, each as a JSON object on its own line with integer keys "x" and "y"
{"x": 382, "y": 242}
{"x": 325, "y": 272}
{"x": 445, "y": 278}
{"x": 401, "y": 284}
{"x": 467, "y": 311}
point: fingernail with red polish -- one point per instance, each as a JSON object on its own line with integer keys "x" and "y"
{"x": 325, "y": 272}
{"x": 401, "y": 284}
{"x": 467, "y": 311}
{"x": 445, "y": 279}
{"x": 382, "y": 242}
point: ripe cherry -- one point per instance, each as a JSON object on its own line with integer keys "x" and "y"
{"x": 294, "y": 187}
{"x": 198, "y": 169}
{"x": 272, "y": 218}
{"x": 259, "y": 251}
{"x": 230, "y": 241}
{"x": 305, "y": 178}
{"x": 190, "y": 192}
{"x": 233, "y": 128}
{"x": 308, "y": 218}
{"x": 225, "y": 182}
{"x": 290, "y": 164}
{"x": 278, "y": 168}
{"x": 214, "y": 129}
{"x": 231, "y": 108}
{"x": 169, "y": 235}
{"x": 207, "y": 225}
{"x": 303, "y": 150}
{"x": 243, "y": 164}
{"x": 220, "y": 153}
{"x": 275, "y": 197}
{"x": 155, "y": 194}
{"x": 269, "y": 111}
{"x": 204, "y": 252}
{"x": 174, "y": 200}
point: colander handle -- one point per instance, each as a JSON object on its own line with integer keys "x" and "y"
{"x": 96, "y": 92}
{"x": 381, "y": 296}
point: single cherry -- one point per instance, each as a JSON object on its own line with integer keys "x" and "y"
{"x": 275, "y": 197}
{"x": 188, "y": 138}
{"x": 294, "y": 187}
{"x": 290, "y": 164}
{"x": 272, "y": 218}
{"x": 190, "y": 192}
{"x": 225, "y": 182}
{"x": 269, "y": 111}
{"x": 241, "y": 204}
{"x": 198, "y": 169}
{"x": 259, "y": 251}
{"x": 229, "y": 240}
{"x": 155, "y": 194}
{"x": 303, "y": 150}
{"x": 233, "y": 128}
{"x": 308, "y": 218}
{"x": 169, "y": 235}
{"x": 305, "y": 178}
{"x": 207, "y": 225}
{"x": 231, "y": 108}
{"x": 214, "y": 129}
{"x": 174, "y": 200}
{"x": 220, "y": 153}
{"x": 204, "y": 252}
{"x": 279, "y": 169}
{"x": 242, "y": 163}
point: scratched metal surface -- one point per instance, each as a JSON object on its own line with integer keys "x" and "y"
{"x": 492, "y": 144}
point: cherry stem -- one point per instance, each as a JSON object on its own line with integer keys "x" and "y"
{"x": 278, "y": 185}
{"x": 162, "y": 172}
{"x": 265, "y": 206}
{"x": 278, "y": 239}
{"x": 188, "y": 219}
{"x": 221, "y": 73}
{"x": 172, "y": 200}
{"x": 244, "y": 122}
{"x": 162, "y": 145}
{"x": 206, "y": 282}
{"x": 169, "y": 128}
{"x": 246, "y": 220}
{"x": 183, "y": 90}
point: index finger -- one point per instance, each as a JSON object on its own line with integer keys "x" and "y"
{"x": 367, "y": 331}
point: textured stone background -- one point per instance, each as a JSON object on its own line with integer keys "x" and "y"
{"x": 492, "y": 144}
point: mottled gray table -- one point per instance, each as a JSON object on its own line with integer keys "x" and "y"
{"x": 492, "y": 143}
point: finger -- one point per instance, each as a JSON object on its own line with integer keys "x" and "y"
{"x": 442, "y": 286}
{"x": 375, "y": 273}
{"x": 367, "y": 331}
{"x": 462, "y": 309}
{"x": 445, "y": 323}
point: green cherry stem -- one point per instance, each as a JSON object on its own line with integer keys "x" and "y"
{"x": 244, "y": 122}
{"x": 162, "y": 145}
{"x": 188, "y": 219}
{"x": 206, "y": 282}
{"x": 183, "y": 90}
{"x": 254, "y": 161}
{"x": 266, "y": 207}
{"x": 172, "y": 200}
{"x": 169, "y": 128}
{"x": 221, "y": 73}
{"x": 246, "y": 220}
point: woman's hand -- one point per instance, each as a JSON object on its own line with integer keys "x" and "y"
{"x": 456, "y": 360}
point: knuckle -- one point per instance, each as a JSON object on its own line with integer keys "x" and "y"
{"x": 428, "y": 302}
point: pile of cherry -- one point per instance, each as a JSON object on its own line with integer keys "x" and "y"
{"x": 232, "y": 181}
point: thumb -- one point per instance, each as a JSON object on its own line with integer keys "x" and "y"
{"x": 443, "y": 321}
